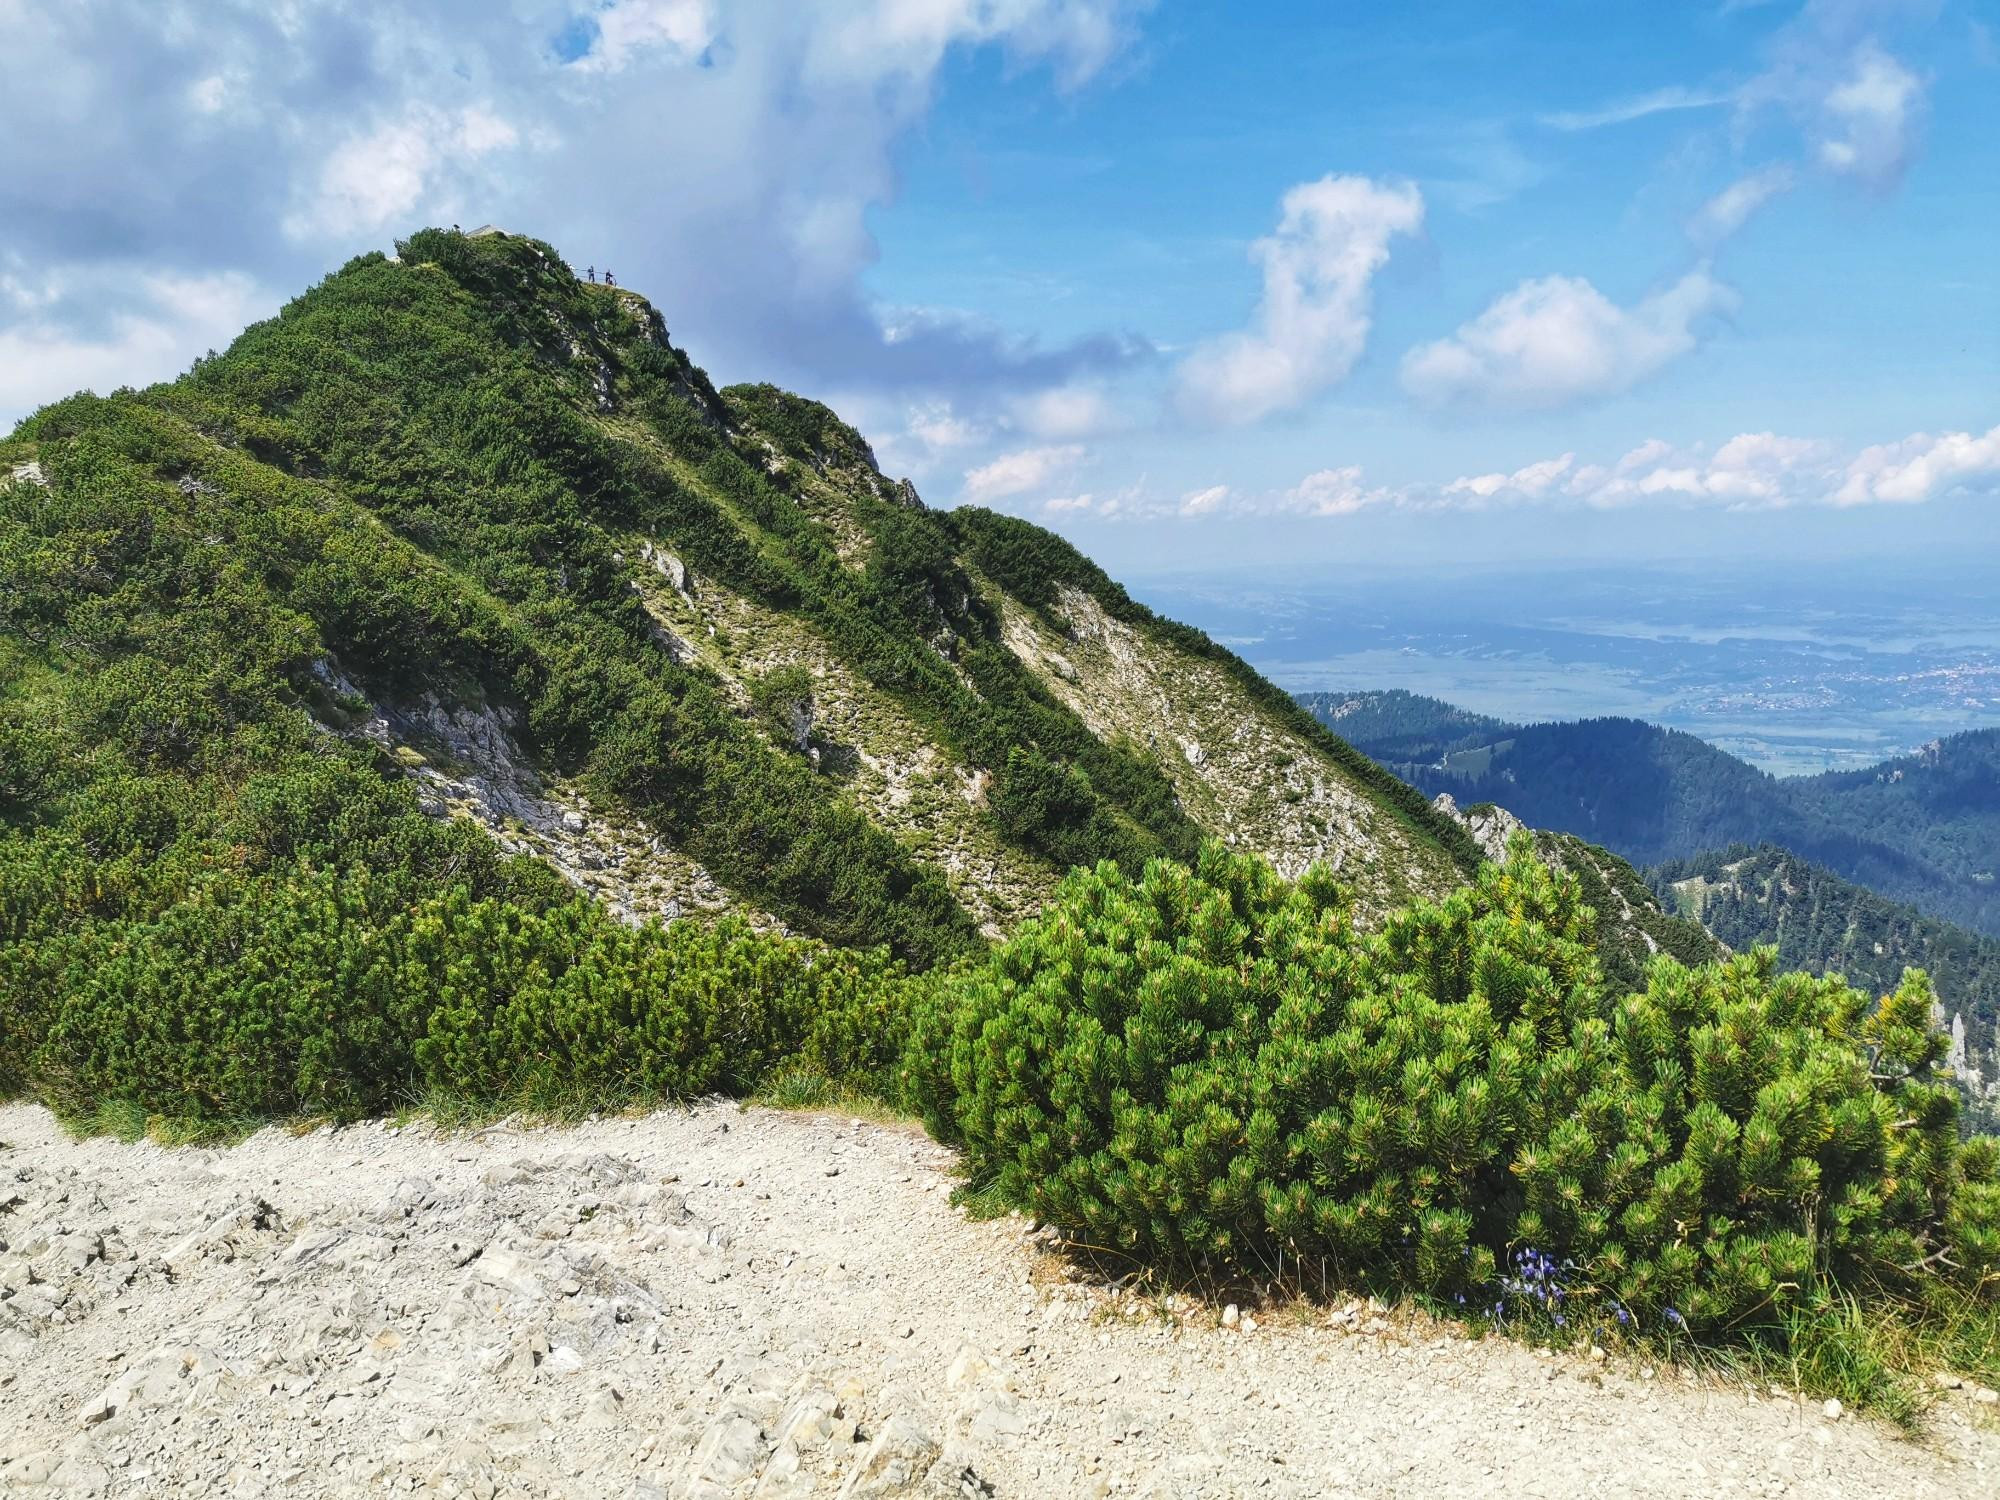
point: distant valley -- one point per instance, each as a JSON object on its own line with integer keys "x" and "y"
{"x": 1833, "y": 668}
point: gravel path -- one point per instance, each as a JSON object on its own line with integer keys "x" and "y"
{"x": 725, "y": 1302}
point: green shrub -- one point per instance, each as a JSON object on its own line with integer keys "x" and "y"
{"x": 328, "y": 994}
{"x": 783, "y": 698}
{"x": 1209, "y": 1065}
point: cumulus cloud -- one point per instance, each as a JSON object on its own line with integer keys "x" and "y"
{"x": 1202, "y": 502}
{"x": 939, "y": 428}
{"x": 1921, "y": 466}
{"x": 1859, "y": 108}
{"x": 1063, "y": 412}
{"x": 722, "y": 158}
{"x": 625, "y": 30}
{"x": 1750, "y": 471}
{"x": 1312, "y": 320}
{"x": 1333, "y": 492}
{"x": 1558, "y": 340}
{"x": 1530, "y": 481}
{"x": 1868, "y": 120}
{"x": 1753, "y": 470}
{"x": 1021, "y": 471}
{"x": 378, "y": 178}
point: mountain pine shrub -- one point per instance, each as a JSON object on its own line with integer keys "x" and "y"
{"x": 1209, "y": 1065}
{"x": 327, "y": 993}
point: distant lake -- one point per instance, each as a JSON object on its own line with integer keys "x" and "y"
{"x": 1842, "y": 668}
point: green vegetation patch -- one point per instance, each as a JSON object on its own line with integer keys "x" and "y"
{"x": 1210, "y": 1067}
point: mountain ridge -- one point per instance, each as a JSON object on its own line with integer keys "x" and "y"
{"x": 460, "y": 529}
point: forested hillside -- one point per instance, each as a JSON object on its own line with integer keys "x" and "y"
{"x": 1922, "y": 829}
{"x": 458, "y": 560}
{"x": 1821, "y": 923}
{"x": 1395, "y": 726}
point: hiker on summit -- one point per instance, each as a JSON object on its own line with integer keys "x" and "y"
{"x": 591, "y": 272}
{"x": 609, "y": 279}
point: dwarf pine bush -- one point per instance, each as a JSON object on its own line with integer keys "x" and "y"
{"x": 1210, "y": 1064}
{"x": 329, "y": 994}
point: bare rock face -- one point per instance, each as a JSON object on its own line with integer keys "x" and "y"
{"x": 670, "y": 567}
{"x": 1491, "y": 826}
{"x": 466, "y": 760}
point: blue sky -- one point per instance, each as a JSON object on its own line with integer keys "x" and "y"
{"x": 1198, "y": 284}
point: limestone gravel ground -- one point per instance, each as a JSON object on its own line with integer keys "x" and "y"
{"x": 722, "y": 1302}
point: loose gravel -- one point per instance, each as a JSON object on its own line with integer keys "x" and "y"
{"x": 727, "y": 1302}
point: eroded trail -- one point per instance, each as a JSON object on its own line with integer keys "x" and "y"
{"x": 724, "y": 1303}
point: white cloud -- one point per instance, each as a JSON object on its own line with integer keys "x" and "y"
{"x": 1532, "y": 480}
{"x": 938, "y": 427}
{"x": 1201, "y": 502}
{"x": 628, "y": 29}
{"x": 1659, "y": 101}
{"x": 1750, "y": 471}
{"x": 724, "y": 159}
{"x": 1062, "y": 413}
{"x": 379, "y": 178}
{"x": 168, "y": 322}
{"x": 1728, "y": 211}
{"x": 208, "y": 95}
{"x": 1858, "y": 108}
{"x": 1018, "y": 472}
{"x": 1753, "y": 470}
{"x": 1558, "y": 340}
{"x": 1868, "y": 120}
{"x": 1333, "y": 492}
{"x": 910, "y": 37}
{"x": 1920, "y": 466}
{"x": 1313, "y": 318}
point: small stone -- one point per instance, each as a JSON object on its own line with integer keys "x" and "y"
{"x": 1833, "y": 1411}
{"x": 1249, "y": 1325}
{"x": 1232, "y": 1315}
{"x": 1947, "y": 1381}
{"x": 563, "y": 1360}
{"x": 895, "y": 1462}
{"x": 1986, "y": 1396}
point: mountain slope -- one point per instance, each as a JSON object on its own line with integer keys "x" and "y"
{"x": 1634, "y": 926}
{"x": 1824, "y": 924}
{"x": 1394, "y": 725}
{"x": 1922, "y": 829}
{"x": 459, "y": 528}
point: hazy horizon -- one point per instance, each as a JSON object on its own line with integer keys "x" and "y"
{"x": 1835, "y": 671}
